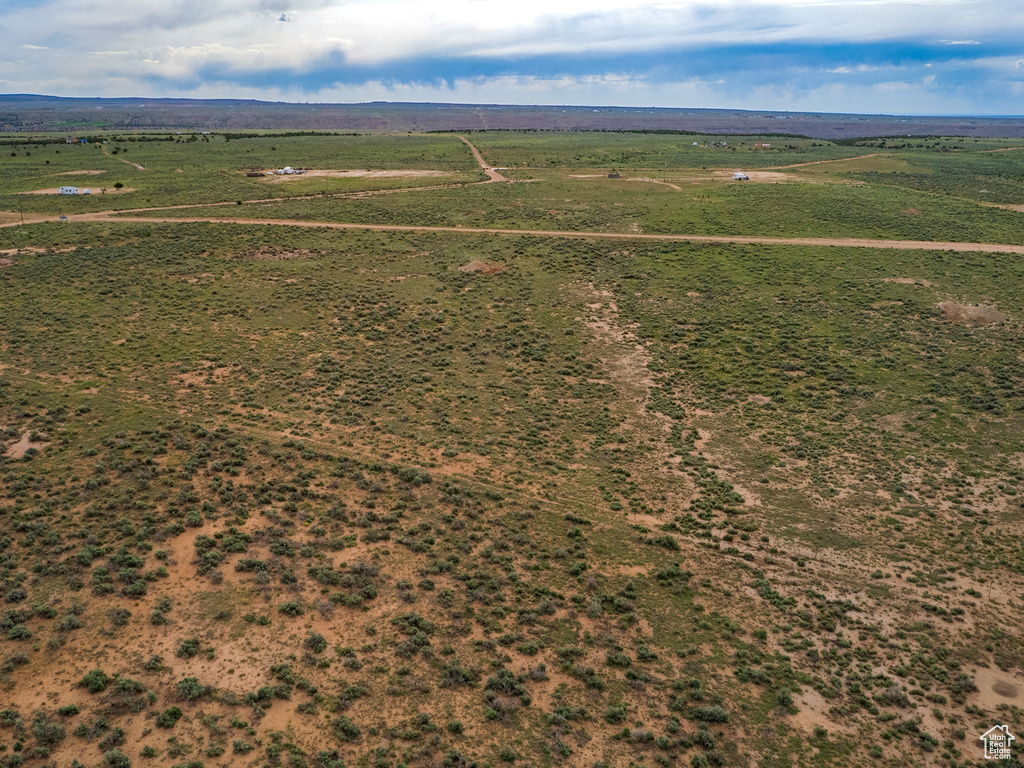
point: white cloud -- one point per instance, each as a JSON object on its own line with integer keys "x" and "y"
{"x": 118, "y": 49}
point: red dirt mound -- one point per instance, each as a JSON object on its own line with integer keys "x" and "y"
{"x": 482, "y": 268}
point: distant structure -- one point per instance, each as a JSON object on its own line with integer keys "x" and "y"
{"x": 740, "y": 176}
{"x": 69, "y": 190}
{"x": 759, "y": 145}
{"x": 87, "y": 191}
{"x": 614, "y": 175}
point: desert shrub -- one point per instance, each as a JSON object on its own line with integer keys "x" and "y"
{"x": 345, "y": 729}
{"x": 188, "y": 648}
{"x": 712, "y": 714}
{"x": 68, "y": 623}
{"x": 115, "y": 758}
{"x": 315, "y": 642}
{"x": 95, "y": 681}
{"x": 46, "y": 733}
{"x": 615, "y": 713}
{"x": 169, "y": 717}
{"x": 191, "y": 689}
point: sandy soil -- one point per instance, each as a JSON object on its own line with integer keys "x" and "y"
{"x": 965, "y": 313}
{"x": 357, "y": 175}
{"x": 908, "y": 281}
{"x": 5, "y": 263}
{"x": 20, "y": 448}
{"x": 484, "y": 269}
{"x": 95, "y": 191}
{"x": 78, "y": 173}
{"x": 765, "y": 177}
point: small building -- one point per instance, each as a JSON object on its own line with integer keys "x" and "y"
{"x": 740, "y": 176}
{"x": 760, "y": 145}
{"x": 614, "y": 175}
{"x": 69, "y": 190}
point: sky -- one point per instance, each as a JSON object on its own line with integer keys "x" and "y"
{"x": 963, "y": 57}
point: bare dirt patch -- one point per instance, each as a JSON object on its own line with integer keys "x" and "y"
{"x": 5, "y": 263}
{"x": 965, "y": 313}
{"x": 355, "y": 174}
{"x": 274, "y": 254}
{"x": 94, "y": 193}
{"x": 765, "y": 177}
{"x": 908, "y": 281}
{"x": 484, "y": 269}
{"x": 759, "y": 399}
{"x": 78, "y": 173}
{"x": 996, "y": 687}
{"x": 20, "y": 448}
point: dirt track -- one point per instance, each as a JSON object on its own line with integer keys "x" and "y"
{"x": 819, "y": 162}
{"x": 844, "y": 242}
{"x": 126, "y": 162}
{"x": 492, "y": 174}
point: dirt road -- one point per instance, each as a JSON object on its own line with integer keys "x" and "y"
{"x": 819, "y": 162}
{"x": 843, "y": 242}
{"x": 128, "y": 162}
{"x": 492, "y": 174}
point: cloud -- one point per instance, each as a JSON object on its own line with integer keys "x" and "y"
{"x": 813, "y": 53}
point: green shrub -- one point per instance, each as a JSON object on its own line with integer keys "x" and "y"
{"x": 115, "y": 758}
{"x": 95, "y": 681}
{"x": 169, "y": 717}
{"x": 615, "y": 713}
{"x": 188, "y": 649}
{"x": 191, "y": 689}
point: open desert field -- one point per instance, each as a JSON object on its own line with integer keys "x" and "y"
{"x": 510, "y": 448}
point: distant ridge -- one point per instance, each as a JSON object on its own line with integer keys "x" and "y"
{"x": 31, "y": 112}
